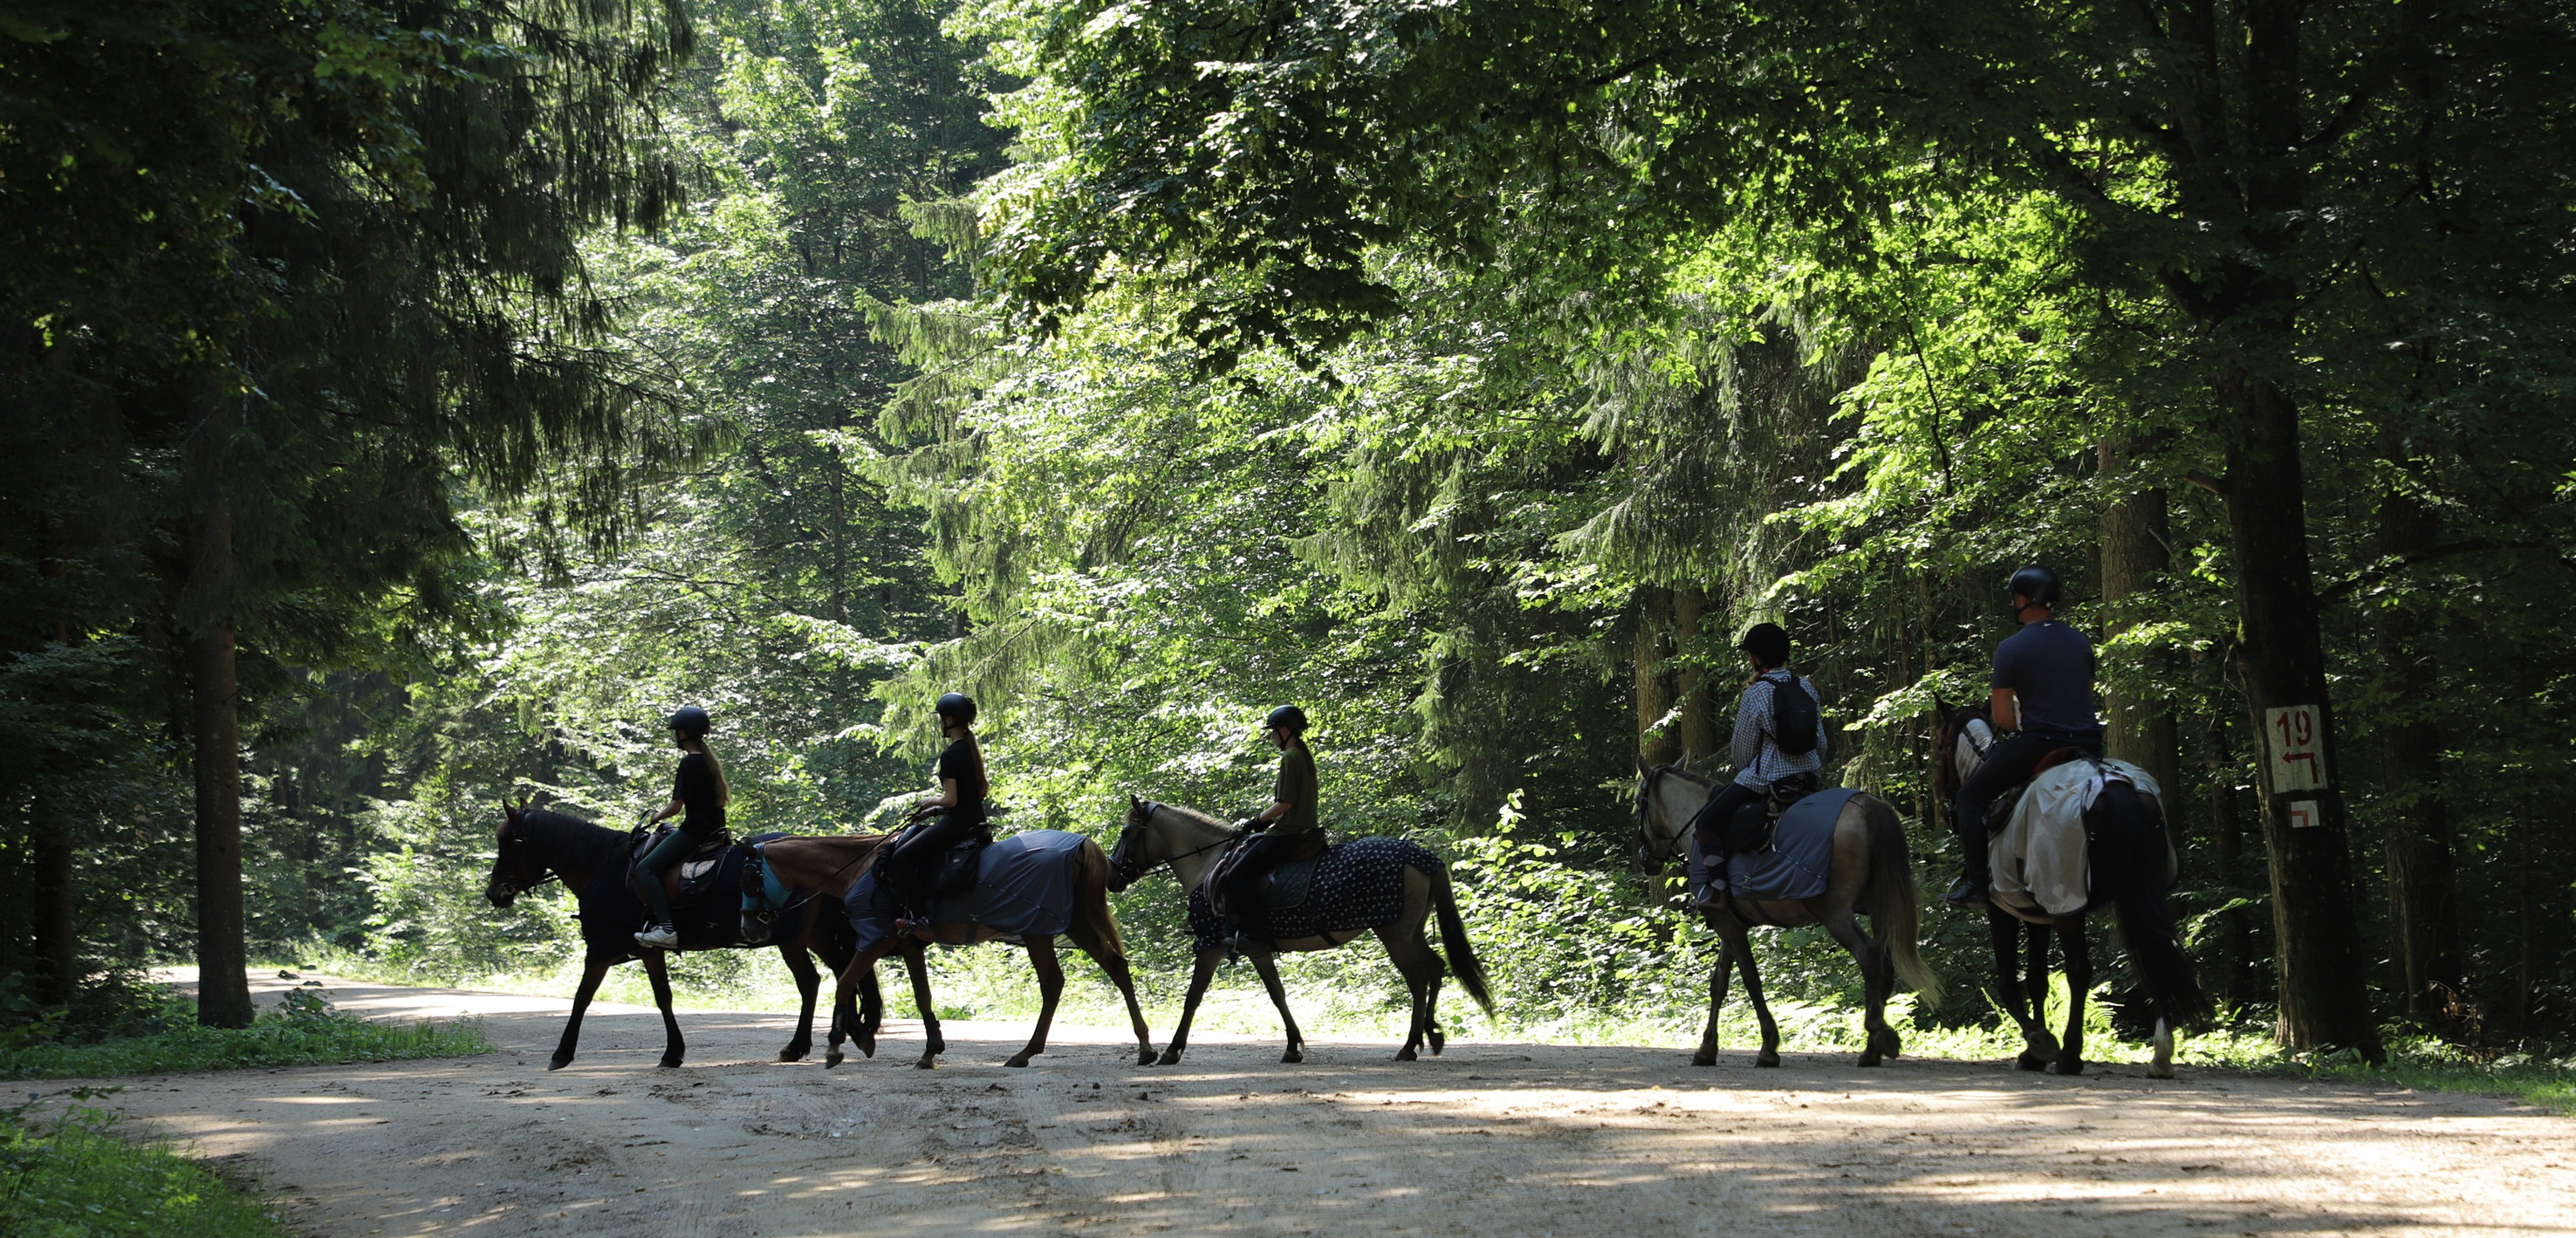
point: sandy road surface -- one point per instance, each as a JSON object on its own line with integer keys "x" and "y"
{"x": 1493, "y": 1139}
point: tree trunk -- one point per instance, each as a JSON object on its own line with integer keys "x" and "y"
{"x": 2423, "y": 901}
{"x": 1698, "y": 722}
{"x": 2136, "y": 551}
{"x": 223, "y": 977}
{"x": 58, "y": 970}
{"x": 1655, "y": 744}
{"x": 2281, "y": 656}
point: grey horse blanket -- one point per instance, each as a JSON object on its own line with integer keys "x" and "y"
{"x": 1794, "y": 867}
{"x": 1023, "y": 888}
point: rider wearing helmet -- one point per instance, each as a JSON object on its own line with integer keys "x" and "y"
{"x": 959, "y": 807}
{"x": 700, "y": 792}
{"x": 1759, "y": 760}
{"x": 1294, "y": 831}
{"x": 2043, "y": 701}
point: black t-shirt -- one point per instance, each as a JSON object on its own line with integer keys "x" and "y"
{"x": 699, "y": 795}
{"x": 1296, "y": 788}
{"x": 2049, "y": 666}
{"x": 963, "y": 761}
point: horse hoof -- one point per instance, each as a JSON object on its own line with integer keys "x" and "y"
{"x": 1018, "y": 1061}
{"x": 670, "y": 1062}
{"x": 1293, "y": 1056}
{"x": 1704, "y": 1059}
{"x": 1437, "y": 1041}
{"x": 2066, "y": 1066}
{"x": 1171, "y": 1057}
{"x": 1766, "y": 1058}
{"x": 2029, "y": 1061}
{"x": 793, "y": 1054}
{"x": 930, "y": 1061}
{"x": 1869, "y": 1059}
{"x": 1146, "y": 1057}
{"x": 1406, "y": 1054}
{"x": 559, "y": 1063}
{"x": 831, "y": 1059}
{"x": 2160, "y": 1070}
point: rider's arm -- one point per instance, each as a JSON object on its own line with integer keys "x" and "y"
{"x": 1747, "y": 747}
{"x": 2005, "y": 710}
{"x": 670, "y": 810}
{"x": 947, "y": 797}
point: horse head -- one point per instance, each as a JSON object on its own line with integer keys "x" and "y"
{"x": 1127, "y": 860}
{"x": 517, "y": 866}
{"x": 1658, "y": 835}
{"x": 1965, "y": 734}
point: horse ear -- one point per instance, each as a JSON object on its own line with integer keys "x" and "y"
{"x": 1133, "y": 803}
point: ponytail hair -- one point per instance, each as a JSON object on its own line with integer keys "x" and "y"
{"x": 724, "y": 791}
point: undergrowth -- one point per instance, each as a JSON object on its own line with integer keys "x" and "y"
{"x": 68, "y": 1174}
{"x": 303, "y": 1029}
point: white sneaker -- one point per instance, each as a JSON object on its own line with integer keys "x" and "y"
{"x": 658, "y": 937}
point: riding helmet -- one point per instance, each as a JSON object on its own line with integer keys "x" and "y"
{"x": 955, "y": 709}
{"x": 1288, "y": 716}
{"x": 1766, "y": 641}
{"x": 2037, "y": 583}
{"x": 691, "y": 720}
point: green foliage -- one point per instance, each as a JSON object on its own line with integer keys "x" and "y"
{"x": 71, "y": 1175}
{"x": 304, "y": 1029}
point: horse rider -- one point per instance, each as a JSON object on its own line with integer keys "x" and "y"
{"x": 1760, "y": 760}
{"x": 957, "y": 812}
{"x": 698, "y": 791}
{"x": 2043, "y": 701}
{"x": 1288, "y": 830}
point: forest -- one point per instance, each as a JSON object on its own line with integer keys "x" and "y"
{"x": 408, "y": 405}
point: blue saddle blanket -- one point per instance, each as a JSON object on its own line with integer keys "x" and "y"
{"x": 1023, "y": 888}
{"x": 1794, "y": 867}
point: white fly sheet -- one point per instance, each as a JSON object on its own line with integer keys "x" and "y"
{"x": 2040, "y": 862}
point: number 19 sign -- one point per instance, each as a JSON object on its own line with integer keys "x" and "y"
{"x": 2294, "y": 749}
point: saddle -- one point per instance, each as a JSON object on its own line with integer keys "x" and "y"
{"x": 2000, "y": 812}
{"x": 693, "y": 878}
{"x": 1285, "y": 886}
{"x": 953, "y": 875}
{"x": 1756, "y": 825}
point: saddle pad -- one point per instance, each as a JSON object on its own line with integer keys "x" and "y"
{"x": 1795, "y": 865}
{"x": 1023, "y": 888}
{"x": 2041, "y": 861}
{"x": 1355, "y": 886}
{"x": 1289, "y": 883}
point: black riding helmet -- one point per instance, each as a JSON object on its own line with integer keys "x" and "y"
{"x": 691, "y": 721}
{"x": 955, "y": 709}
{"x": 1766, "y": 641}
{"x": 2037, "y": 583}
{"x": 1288, "y": 716}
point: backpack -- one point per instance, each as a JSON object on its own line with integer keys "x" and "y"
{"x": 1793, "y": 717}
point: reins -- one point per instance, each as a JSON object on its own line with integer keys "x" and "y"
{"x": 1173, "y": 861}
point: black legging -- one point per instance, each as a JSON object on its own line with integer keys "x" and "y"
{"x": 1716, "y": 819}
{"x": 915, "y": 862}
{"x": 1243, "y": 887}
{"x": 2007, "y": 765}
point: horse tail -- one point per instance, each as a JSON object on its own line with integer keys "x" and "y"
{"x": 1463, "y": 962}
{"x": 1091, "y": 897}
{"x": 2130, "y": 856}
{"x": 1893, "y": 906}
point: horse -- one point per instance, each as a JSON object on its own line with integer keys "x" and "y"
{"x": 1393, "y": 897}
{"x": 2129, "y": 859}
{"x": 789, "y": 877}
{"x": 1053, "y": 859}
{"x": 537, "y": 846}
{"x": 1868, "y": 872}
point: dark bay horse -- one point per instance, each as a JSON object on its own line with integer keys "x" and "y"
{"x": 536, "y": 846}
{"x": 1074, "y": 867}
{"x": 2131, "y": 862}
{"x": 1390, "y": 887}
{"x": 1868, "y": 872}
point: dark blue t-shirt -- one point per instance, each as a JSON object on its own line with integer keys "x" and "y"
{"x": 2049, "y": 666}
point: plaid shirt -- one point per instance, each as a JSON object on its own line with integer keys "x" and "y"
{"x": 1758, "y": 759}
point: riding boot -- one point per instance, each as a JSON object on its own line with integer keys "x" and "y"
{"x": 1976, "y": 875}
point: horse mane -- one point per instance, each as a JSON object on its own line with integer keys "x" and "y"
{"x": 1682, "y": 769}
{"x": 567, "y": 839}
{"x": 1192, "y": 814}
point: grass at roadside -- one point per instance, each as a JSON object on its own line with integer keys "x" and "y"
{"x": 302, "y": 1030}
{"x": 69, "y": 1175}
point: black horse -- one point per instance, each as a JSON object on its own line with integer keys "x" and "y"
{"x": 537, "y": 846}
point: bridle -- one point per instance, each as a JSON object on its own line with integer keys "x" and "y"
{"x": 509, "y": 884}
{"x": 1646, "y": 784}
{"x": 1173, "y": 860}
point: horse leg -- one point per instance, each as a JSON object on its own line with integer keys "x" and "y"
{"x": 1263, "y": 963}
{"x": 2079, "y": 982}
{"x": 916, "y": 962}
{"x": 2035, "y": 987}
{"x": 593, "y": 969}
{"x": 1717, "y": 978}
{"x": 2008, "y": 991}
{"x": 1089, "y": 939}
{"x": 657, "y": 965}
{"x": 1874, "y": 982}
{"x": 1412, "y": 956}
{"x": 2161, "y": 1065}
{"x": 1742, "y": 949}
{"x": 1050, "y": 990}
{"x": 809, "y": 983}
{"x": 844, "y": 1009}
{"x": 1200, "y": 974}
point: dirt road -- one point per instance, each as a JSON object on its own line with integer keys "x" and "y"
{"x": 1491, "y": 1140}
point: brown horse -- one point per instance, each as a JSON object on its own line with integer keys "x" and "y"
{"x": 1868, "y": 873}
{"x": 1062, "y": 861}
{"x": 1387, "y": 886}
{"x": 2131, "y": 866}
{"x": 536, "y": 846}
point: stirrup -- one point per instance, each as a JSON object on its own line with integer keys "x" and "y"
{"x": 659, "y": 937}
{"x": 1969, "y": 892}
